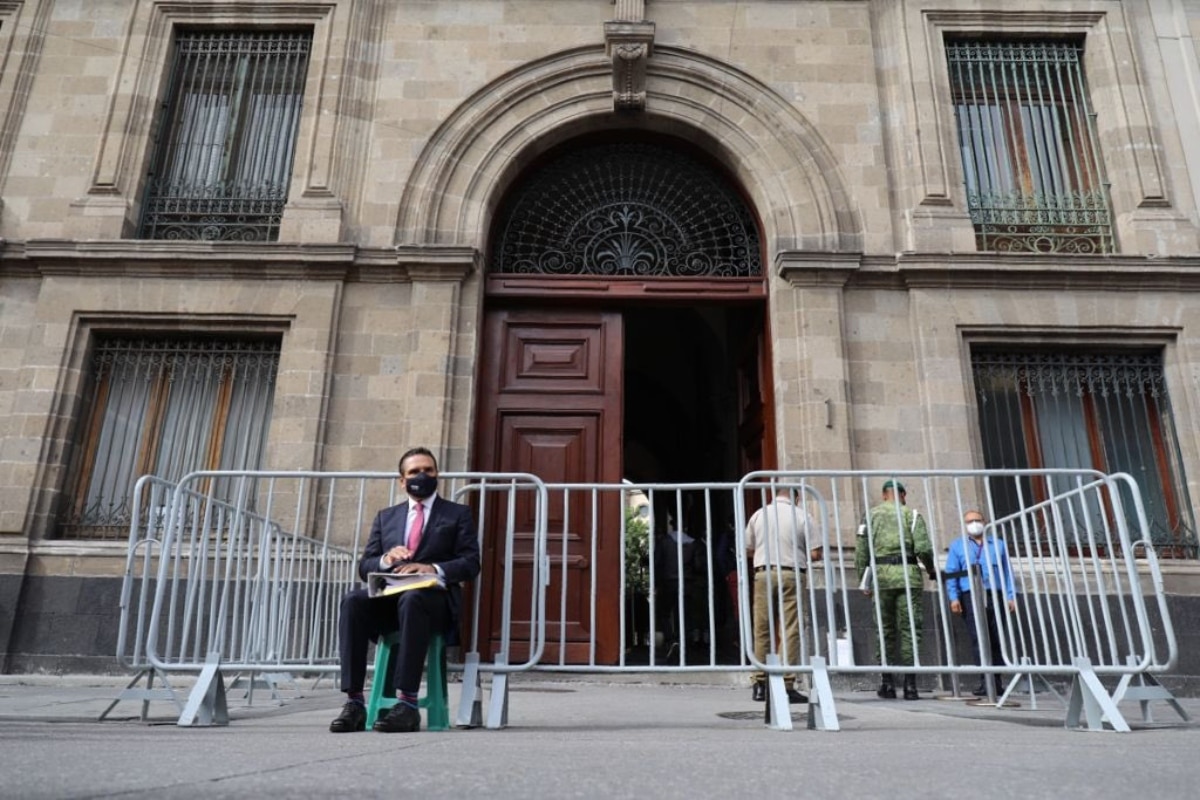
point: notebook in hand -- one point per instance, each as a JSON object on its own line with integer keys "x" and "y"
{"x": 382, "y": 584}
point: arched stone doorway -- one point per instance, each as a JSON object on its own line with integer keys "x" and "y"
{"x": 623, "y": 337}
{"x": 490, "y": 143}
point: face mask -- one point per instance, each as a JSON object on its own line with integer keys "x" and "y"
{"x": 421, "y": 486}
{"x": 975, "y": 528}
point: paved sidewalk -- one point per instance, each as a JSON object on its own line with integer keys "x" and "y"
{"x": 570, "y": 738}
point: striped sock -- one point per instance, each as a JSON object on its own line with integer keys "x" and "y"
{"x": 409, "y": 699}
{"x": 357, "y": 697}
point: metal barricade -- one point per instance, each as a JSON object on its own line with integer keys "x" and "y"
{"x": 1077, "y": 552}
{"x": 667, "y": 592}
{"x": 244, "y": 571}
{"x": 151, "y": 495}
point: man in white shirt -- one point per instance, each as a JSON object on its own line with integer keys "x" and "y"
{"x": 777, "y": 552}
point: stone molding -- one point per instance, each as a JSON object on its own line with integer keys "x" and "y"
{"x": 20, "y": 53}
{"x": 110, "y": 207}
{"x": 1117, "y": 90}
{"x": 780, "y": 159}
{"x": 629, "y": 45}
{"x": 232, "y": 260}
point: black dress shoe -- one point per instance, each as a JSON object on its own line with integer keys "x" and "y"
{"x": 796, "y": 697}
{"x": 401, "y": 719}
{"x": 886, "y": 692}
{"x": 759, "y": 693}
{"x": 353, "y": 718}
{"x": 980, "y": 691}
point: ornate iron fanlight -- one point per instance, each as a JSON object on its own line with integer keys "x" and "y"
{"x": 627, "y": 209}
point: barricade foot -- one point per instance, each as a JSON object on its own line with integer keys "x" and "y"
{"x": 167, "y": 693}
{"x": 777, "y": 714}
{"x": 498, "y": 707}
{"x": 1089, "y": 696}
{"x": 1030, "y": 676}
{"x": 1147, "y": 690}
{"x": 470, "y": 703}
{"x": 822, "y": 713}
{"x": 206, "y": 705}
{"x": 270, "y": 681}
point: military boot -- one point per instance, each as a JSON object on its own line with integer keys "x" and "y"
{"x": 887, "y": 689}
{"x": 910, "y": 688}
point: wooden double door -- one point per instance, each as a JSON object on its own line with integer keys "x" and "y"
{"x": 550, "y": 403}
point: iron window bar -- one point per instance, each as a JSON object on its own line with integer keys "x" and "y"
{"x": 1031, "y": 162}
{"x": 227, "y": 136}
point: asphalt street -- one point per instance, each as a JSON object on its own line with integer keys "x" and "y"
{"x": 586, "y": 739}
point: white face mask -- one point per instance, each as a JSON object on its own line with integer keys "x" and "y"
{"x": 975, "y": 528}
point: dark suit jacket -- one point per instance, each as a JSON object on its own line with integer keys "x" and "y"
{"x": 448, "y": 540}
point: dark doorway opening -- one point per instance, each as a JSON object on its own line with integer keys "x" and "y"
{"x": 693, "y": 413}
{"x": 681, "y": 404}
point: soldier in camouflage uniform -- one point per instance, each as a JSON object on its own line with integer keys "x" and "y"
{"x": 897, "y": 582}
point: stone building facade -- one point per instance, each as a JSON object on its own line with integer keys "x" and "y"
{"x": 877, "y": 290}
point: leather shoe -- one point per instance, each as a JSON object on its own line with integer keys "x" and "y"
{"x": 980, "y": 691}
{"x": 886, "y": 692}
{"x": 759, "y": 693}
{"x": 910, "y": 693}
{"x": 352, "y": 719}
{"x": 795, "y": 697}
{"x": 400, "y": 719}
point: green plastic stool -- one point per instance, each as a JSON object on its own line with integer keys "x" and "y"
{"x": 436, "y": 701}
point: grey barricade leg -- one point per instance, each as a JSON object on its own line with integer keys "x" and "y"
{"x": 822, "y": 713}
{"x": 470, "y": 703}
{"x": 498, "y": 707}
{"x": 1090, "y": 696}
{"x": 145, "y": 695}
{"x": 1030, "y": 677}
{"x": 271, "y": 681}
{"x": 778, "y": 714}
{"x": 1147, "y": 689}
{"x": 206, "y": 704}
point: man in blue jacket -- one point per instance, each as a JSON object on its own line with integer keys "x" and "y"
{"x": 983, "y": 562}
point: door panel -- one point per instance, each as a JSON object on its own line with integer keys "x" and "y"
{"x": 550, "y": 405}
{"x": 756, "y": 430}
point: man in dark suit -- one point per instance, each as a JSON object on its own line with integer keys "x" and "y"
{"x": 425, "y": 534}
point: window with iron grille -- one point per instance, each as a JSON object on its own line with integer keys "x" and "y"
{"x": 165, "y": 407}
{"x": 1076, "y": 410}
{"x": 226, "y": 136}
{"x": 1029, "y": 150}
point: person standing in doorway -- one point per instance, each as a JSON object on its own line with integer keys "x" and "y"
{"x": 899, "y": 539}
{"x": 425, "y": 534}
{"x": 989, "y": 569}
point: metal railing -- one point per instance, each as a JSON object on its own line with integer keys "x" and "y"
{"x": 252, "y": 583}
{"x": 621, "y": 578}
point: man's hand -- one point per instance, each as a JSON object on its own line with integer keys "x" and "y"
{"x": 955, "y": 607}
{"x": 1012, "y": 604}
{"x": 413, "y": 568}
{"x": 394, "y": 556}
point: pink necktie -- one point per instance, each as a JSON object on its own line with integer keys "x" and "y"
{"x": 414, "y": 534}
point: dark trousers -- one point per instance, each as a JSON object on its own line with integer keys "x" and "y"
{"x": 993, "y": 632}
{"x": 415, "y": 615}
{"x": 695, "y": 612}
